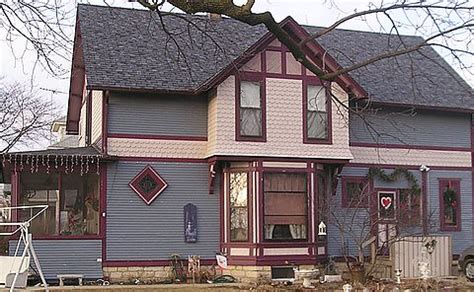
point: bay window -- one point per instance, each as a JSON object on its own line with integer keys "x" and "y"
{"x": 250, "y": 111}
{"x": 238, "y": 201}
{"x": 316, "y": 111}
{"x": 285, "y": 206}
{"x": 73, "y": 203}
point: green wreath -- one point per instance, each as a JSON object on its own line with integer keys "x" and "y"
{"x": 398, "y": 172}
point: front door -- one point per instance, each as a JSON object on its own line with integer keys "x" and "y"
{"x": 386, "y": 217}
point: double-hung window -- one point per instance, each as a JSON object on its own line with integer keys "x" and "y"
{"x": 250, "y": 111}
{"x": 317, "y": 116}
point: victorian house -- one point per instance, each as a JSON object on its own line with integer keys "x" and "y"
{"x": 217, "y": 140}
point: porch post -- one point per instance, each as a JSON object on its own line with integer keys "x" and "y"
{"x": 15, "y": 192}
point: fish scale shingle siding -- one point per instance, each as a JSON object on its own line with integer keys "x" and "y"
{"x": 136, "y": 231}
{"x": 284, "y": 113}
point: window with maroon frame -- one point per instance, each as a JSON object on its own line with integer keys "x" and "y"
{"x": 450, "y": 204}
{"x": 250, "y": 110}
{"x": 317, "y": 115}
{"x": 285, "y": 206}
{"x": 355, "y": 192}
{"x": 148, "y": 184}
{"x": 72, "y": 199}
{"x": 238, "y": 203}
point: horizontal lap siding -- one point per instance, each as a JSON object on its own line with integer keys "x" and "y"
{"x": 464, "y": 238}
{"x": 139, "y": 232}
{"x": 67, "y": 257}
{"x": 422, "y": 129}
{"x": 349, "y": 218}
{"x": 157, "y": 115}
{"x": 357, "y": 219}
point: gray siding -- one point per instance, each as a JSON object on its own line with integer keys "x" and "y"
{"x": 136, "y": 231}
{"x": 349, "y": 218}
{"x": 423, "y": 128}
{"x": 358, "y": 220}
{"x": 465, "y": 237}
{"x": 146, "y": 114}
{"x": 67, "y": 257}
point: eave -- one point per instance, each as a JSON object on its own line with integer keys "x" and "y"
{"x": 314, "y": 50}
{"x": 77, "y": 83}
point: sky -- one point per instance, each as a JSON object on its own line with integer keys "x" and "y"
{"x": 312, "y": 12}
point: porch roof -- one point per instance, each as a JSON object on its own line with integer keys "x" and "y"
{"x": 73, "y": 151}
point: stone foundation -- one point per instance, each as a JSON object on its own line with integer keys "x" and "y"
{"x": 244, "y": 274}
{"x": 129, "y": 274}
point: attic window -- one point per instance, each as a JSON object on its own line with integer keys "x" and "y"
{"x": 148, "y": 184}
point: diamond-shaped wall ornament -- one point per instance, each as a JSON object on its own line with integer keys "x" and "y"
{"x": 148, "y": 184}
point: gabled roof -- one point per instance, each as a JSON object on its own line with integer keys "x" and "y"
{"x": 128, "y": 49}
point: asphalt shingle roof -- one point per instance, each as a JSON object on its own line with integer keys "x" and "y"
{"x": 127, "y": 48}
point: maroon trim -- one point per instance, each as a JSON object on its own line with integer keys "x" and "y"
{"x": 150, "y": 263}
{"x": 306, "y": 139}
{"x": 409, "y": 167}
{"x": 424, "y": 206}
{"x": 472, "y": 172}
{"x": 162, "y": 159}
{"x": 157, "y": 137}
{"x": 289, "y": 243}
{"x": 258, "y": 77}
{"x": 88, "y": 133}
{"x": 105, "y": 120}
{"x": 280, "y": 260}
{"x": 454, "y": 183}
{"x": 276, "y": 159}
{"x": 103, "y": 212}
{"x": 408, "y": 146}
{"x": 154, "y": 193}
{"x": 428, "y": 107}
{"x": 313, "y": 49}
{"x": 227, "y": 173}
{"x": 221, "y": 212}
{"x": 77, "y": 82}
{"x": 346, "y": 203}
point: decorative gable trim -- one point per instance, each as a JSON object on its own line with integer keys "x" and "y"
{"x": 77, "y": 83}
{"x": 148, "y": 184}
{"x": 314, "y": 51}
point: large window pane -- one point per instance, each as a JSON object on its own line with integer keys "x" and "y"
{"x": 317, "y": 116}
{"x": 238, "y": 194}
{"x": 285, "y": 206}
{"x": 250, "y": 109}
{"x": 73, "y": 205}
{"x": 80, "y": 204}
{"x": 40, "y": 189}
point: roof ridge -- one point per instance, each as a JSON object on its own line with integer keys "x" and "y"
{"x": 228, "y": 18}
{"x": 363, "y": 31}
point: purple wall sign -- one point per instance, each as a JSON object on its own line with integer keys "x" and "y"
{"x": 190, "y": 223}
